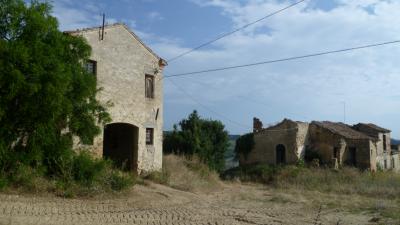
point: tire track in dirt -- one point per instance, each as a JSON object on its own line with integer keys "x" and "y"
{"x": 147, "y": 207}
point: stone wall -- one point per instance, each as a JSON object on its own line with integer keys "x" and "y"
{"x": 122, "y": 63}
{"x": 287, "y": 133}
{"x": 395, "y": 162}
{"x": 324, "y": 143}
{"x": 384, "y": 156}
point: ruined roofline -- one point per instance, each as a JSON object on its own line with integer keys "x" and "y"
{"x": 343, "y": 130}
{"x": 373, "y": 126}
{"x": 90, "y": 29}
{"x": 274, "y": 128}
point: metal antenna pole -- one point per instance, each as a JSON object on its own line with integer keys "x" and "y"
{"x": 102, "y": 28}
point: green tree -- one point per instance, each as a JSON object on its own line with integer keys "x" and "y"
{"x": 46, "y": 96}
{"x": 244, "y": 145}
{"x": 204, "y": 138}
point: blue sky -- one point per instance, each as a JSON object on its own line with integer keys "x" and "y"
{"x": 366, "y": 81}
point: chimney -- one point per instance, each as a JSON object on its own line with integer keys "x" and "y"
{"x": 257, "y": 125}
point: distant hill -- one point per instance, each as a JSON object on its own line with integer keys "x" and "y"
{"x": 230, "y": 161}
{"x": 233, "y": 137}
{"x": 395, "y": 142}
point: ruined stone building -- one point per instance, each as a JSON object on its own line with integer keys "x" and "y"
{"x": 365, "y": 146}
{"x": 130, "y": 76}
{"x": 396, "y": 157}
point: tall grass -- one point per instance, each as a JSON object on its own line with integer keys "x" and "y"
{"x": 343, "y": 181}
{"x": 186, "y": 174}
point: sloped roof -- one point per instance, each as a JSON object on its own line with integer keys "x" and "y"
{"x": 74, "y": 32}
{"x": 374, "y": 127}
{"x": 342, "y": 129}
{"x": 277, "y": 127}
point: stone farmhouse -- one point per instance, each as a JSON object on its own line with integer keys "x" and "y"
{"x": 366, "y": 146}
{"x": 130, "y": 77}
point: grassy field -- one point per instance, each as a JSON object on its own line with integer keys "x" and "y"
{"x": 346, "y": 188}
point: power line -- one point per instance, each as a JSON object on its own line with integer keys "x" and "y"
{"x": 218, "y": 89}
{"x": 223, "y": 116}
{"x": 283, "y": 59}
{"x": 207, "y": 108}
{"x": 233, "y": 31}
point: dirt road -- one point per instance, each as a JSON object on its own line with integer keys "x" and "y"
{"x": 156, "y": 205}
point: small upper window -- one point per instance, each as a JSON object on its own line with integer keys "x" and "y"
{"x": 384, "y": 143}
{"x": 149, "y": 86}
{"x": 91, "y": 67}
{"x": 149, "y": 136}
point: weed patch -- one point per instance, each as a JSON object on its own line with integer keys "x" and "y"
{"x": 185, "y": 174}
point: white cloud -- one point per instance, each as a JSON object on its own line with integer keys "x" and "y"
{"x": 155, "y": 16}
{"x": 310, "y": 88}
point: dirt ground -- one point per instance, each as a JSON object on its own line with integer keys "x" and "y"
{"x": 154, "y": 204}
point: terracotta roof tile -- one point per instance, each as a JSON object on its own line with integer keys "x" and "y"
{"x": 373, "y": 126}
{"x": 342, "y": 130}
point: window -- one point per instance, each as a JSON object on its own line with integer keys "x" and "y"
{"x": 149, "y": 136}
{"x": 149, "y": 86}
{"x": 384, "y": 142}
{"x": 335, "y": 152}
{"x": 91, "y": 67}
{"x": 385, "y": 164}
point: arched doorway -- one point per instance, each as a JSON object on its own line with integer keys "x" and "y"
{"x": 120, "y": 144}
{"x": 280, "y": 154}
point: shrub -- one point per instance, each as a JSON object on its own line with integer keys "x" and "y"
{"x": 120, "y": 181}
{"x": 252, "y": 173}
{"x": 244, "y": 145}
{"x": 3, "y": 182}
{"x": 47, "y": 96}
{"x": 205, "y": 138}
{"x": 87, "y": 170}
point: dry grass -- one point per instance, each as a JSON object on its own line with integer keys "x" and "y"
{"x": 348, "y": 188}
{"x": 186, "y": 174}
{"x": 345, "y": 181}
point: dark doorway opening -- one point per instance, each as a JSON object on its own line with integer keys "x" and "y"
{"x": 120, "y": 144}
{"x": 280, "y": 154}
{"x": 352, "y": 161}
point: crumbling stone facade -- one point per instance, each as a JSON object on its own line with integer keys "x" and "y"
{"x": 339, "y": 144}
{"x": 130, "y": 76}
{"x": 383, "y": 147}
{"x": 280, "y": 144}
{"x": 365, "y": 146}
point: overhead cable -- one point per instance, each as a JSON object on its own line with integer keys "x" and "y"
{"x": 233, "y": 31}
{"x": 282, "y": 60}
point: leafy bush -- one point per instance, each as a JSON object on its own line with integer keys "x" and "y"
{"x": 244, "y": 145}
{"x": 207, "y": 139}
{"x": 46, "y": 95}
{"x": 87, "y": 170}
{"x": 78, "y": 174}
{"x": 253, "y": 173}
{"x": 120, "y": 181}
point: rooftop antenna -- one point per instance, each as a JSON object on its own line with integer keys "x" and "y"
{"x": 102, "y": 27}
{"x": 344, "y": 111}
